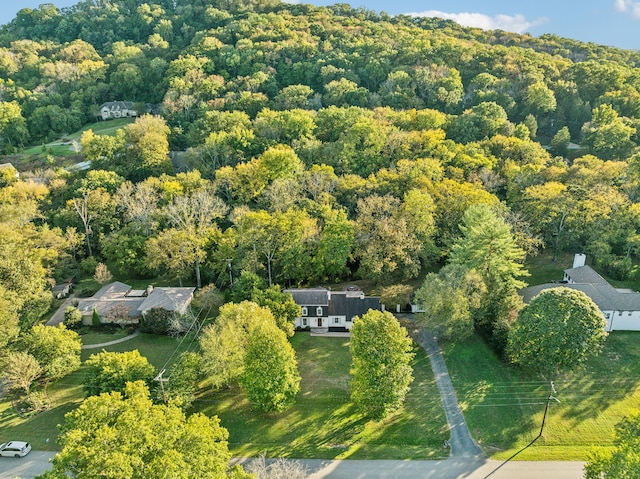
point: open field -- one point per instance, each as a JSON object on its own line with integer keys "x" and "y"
{"x": 323, "y": 424}
{"x": 504, "y": 408}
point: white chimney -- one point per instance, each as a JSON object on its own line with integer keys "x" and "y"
{"x": 579, "y": 260}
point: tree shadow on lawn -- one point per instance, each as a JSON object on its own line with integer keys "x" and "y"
{"x": 504, "y": 408}
{"x": 606, "y": 384}
{"x": 310, "y": 428}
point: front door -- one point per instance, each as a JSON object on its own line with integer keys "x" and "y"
{"x": 319, "y": 322}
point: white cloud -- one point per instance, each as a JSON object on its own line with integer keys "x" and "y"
{"x": 628, "y": 6}
{"x": 511, "y": 23}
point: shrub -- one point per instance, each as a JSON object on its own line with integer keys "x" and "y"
{"x": 156, "y": 321}
{"x": 72, "y": 318}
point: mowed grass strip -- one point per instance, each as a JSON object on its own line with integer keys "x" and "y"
{"x": 504, "y": 407}
{"x": 323, "y": 423}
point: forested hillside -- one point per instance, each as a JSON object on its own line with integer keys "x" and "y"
{"x": 322, "y": 144}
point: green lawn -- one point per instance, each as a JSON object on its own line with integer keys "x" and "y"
{"x": 323, "y": 424}
{"x": 66, "y": 394}
{"x": 504, "y": 408}
{"x": 57, "y": 148}
{"x": 542, "y": 269}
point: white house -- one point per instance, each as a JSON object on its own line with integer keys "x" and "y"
{"x": 620, "y": 307}
{"x": 325, "y": 310}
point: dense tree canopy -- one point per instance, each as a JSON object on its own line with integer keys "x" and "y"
{"x": 143, "y": 440}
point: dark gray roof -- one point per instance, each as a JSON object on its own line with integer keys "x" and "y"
{"x": 339, "y": 303}
{"x": 585, "y": 274}
{"x": 117, "y": 105}
{"x": 606, "y": 297}
{"x": 349, "y": 304}
{"x": 310, "y": 296}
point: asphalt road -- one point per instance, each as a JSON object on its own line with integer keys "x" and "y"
{"x": 452, "y": 468}
{"x": 28, "y": 467}
{"x": 455, "y": 468}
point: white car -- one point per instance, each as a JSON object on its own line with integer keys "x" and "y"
{"x": 15, "y": 449}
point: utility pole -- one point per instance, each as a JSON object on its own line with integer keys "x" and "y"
{"x": 162, "y": 380}
{"x": 544, "y": 421}
{"x": 230, "y": 277}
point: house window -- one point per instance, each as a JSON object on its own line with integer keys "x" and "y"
{"x": 304, "y": 322}
{"x": 319, "y": 311}
{"x": 619, "y": 313}
{"x": 305, "y": 312}
{"x": 607, "y": 316}
{"x": 629, "y": 313}
{"x": 336, "y": 320}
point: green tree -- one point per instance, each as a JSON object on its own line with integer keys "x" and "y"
{"x": 334, "y": 244}
{"x": 20, "y": 370}
{"x": 387, "y": 245}
{"x": 549, "y": 207}
{"x": 557, "y": 331}
{"x": 224, "y": 343}
{"x": 56, "y": 348}
{"x": 560, "y": 142}
{"x": 107, "y": 371}
{"x": 9, "y": 320}
{"x": 607, "y": 135}
{"x": 622, "y": 461}
{"x": 184, "y": 379}
{"x": 449, "y": 299}
{"x": 381, "y": 369}
{"x": 487, "y": 245}
{"x": 284, "y": 308}
{"x": 194, "y": 217}
{"x": 156, "y": 321}
{"x": 539, "y": 99}
{"x": 13, "y": 127}
{"x": 270, "y": 375}
{"x": 143, "y": 440}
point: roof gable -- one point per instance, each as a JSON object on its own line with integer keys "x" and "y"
{"x": 171, "y": 299}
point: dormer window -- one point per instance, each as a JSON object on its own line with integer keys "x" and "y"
{"x": 319, "y": 311}
{"x": 305, "y": 312}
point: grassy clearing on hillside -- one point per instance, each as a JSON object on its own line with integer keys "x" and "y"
{"x": 504, "y": 408}
{"x": 58, "y": 148}
{"x": 323, "y": 423}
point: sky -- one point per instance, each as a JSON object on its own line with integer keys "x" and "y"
{"x": 607, "y": 22}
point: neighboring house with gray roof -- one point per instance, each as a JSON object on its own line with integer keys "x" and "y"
{"x": 326, "y": 310}
{"x": 117, "y": 109}
{"x": 136, "y": 302}
{"x": 620, "y": 307}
